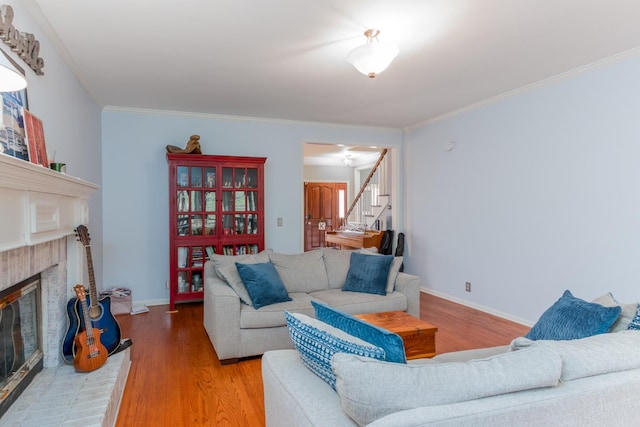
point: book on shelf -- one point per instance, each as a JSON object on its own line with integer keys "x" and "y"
{"x": 210, "y": 201}
{"x": 252, "y": 227}
{"x": 196, "y": 256}
{"x": 182, "y": 257}
{"x": 251, "y": 200}
{"x": 210, "y": 251}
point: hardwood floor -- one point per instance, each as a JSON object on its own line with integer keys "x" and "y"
{"x": 176, "y": 378}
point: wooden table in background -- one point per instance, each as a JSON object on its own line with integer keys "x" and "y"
{"x": 351, "y": 240}
{"x": 418, "y": 336}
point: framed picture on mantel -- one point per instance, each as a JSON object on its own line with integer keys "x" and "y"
{"x": 13, "y": 139}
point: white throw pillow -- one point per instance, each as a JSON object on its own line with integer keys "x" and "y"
{"x": 232, "y": 277}
{"x": 223, "y": 260}
{"x": 626, "y": 316}
{"x": 225, "y": 269}
{"x": 594, "y": 355}
{"x": 371, "y": 389}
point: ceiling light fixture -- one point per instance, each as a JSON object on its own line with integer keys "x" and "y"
{"x": 373, "y": 57}
{"x": 10, "y": 80}
{"x": 348, "y": 159}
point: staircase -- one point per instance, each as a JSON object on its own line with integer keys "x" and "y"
{"x": 372, "y": 200}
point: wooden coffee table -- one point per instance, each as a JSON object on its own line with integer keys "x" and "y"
{"x": 418, "y": 336}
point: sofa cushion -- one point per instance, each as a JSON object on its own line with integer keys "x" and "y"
{"x": 368, "y": 273}
{"x": 272, "y": 316}
{"x": 626, "y": 316}
{"x": 389, "y": 341}
{"x": 303, "y": 272}
{"x": 222, "y": 260}
{"x": 336, "y": 264}
{"x": 370, "y": 389}
{"x": 595, "y": 355}
{"x": 263, "y": 284}
{"x": 572, "y": 318}
{"x": 317, "y": 342}
{"x": 360, "y": 302}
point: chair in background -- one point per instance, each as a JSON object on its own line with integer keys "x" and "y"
{"x": 400, "y": 248}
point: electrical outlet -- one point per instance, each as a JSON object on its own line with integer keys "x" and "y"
{"x": 467, "y": 286}
{"x": 167, "y": 284}
{"x": 279, "y": 222}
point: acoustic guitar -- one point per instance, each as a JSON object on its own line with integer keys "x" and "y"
{"x": 90, "y": 352}
{"x": 100, "y": 316}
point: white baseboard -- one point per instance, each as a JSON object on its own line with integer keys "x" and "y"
{"x": 151, "y": 302}
{"x": 478, "y": 307}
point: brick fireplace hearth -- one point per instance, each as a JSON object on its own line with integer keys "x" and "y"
{"x": 41, "y": 208}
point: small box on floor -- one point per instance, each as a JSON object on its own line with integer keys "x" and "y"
{"x": 120, "y": 300}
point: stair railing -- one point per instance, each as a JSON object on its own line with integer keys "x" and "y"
{"x": 363, "y": 188}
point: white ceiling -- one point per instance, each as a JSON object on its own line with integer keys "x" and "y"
{"x": 335, "y": 155}
{"x": 286, "y": 59}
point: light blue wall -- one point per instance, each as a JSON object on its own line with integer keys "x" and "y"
{"x": 539, "y": 195}
{"x": 70, "y": 119}
{"x": 136, "y": 240}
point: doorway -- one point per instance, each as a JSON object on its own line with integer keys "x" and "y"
{"x": 325, "y": 205}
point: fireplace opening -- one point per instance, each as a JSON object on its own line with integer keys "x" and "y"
{"x": 21, "y": 356}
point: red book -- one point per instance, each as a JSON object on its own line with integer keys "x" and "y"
{"x": 35, "y": 139}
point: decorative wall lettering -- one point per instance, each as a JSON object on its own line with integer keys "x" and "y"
{"x": 24, "y": 44}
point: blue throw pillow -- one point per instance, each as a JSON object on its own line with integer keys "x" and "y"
{"x": 389, "y": 341}
{"x": 572, "y": 318}
{"x": 263, "y": 284}
{"x": 317, "y": 342}
{"x": 368, "y": 273}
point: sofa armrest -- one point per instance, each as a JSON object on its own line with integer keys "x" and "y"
{"x": 295, "y": 396}
{"x": 221, "y": 315}
{"x": 409, "y": 285}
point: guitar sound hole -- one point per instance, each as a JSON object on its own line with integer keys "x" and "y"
{"x": 96, "y": 312}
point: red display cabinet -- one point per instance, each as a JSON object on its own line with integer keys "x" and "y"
{"x": 216, "y": 205}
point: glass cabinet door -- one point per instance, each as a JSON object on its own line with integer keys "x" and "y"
{"x": 196, "y": 200}
{"x": 238, "y": 201}
{"x": 190, "y": 268}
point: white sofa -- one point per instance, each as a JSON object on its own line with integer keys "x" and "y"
{"x": 593, "y": 381}
{"x": 238, "y": 330}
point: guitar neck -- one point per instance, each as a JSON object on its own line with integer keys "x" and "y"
{"x": 92, "y": 279}
{"x": 87, "y": 319}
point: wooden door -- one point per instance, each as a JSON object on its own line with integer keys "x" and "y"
{"x": 322, "y": 210}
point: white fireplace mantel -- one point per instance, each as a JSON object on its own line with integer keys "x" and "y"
{"x": 39, "y": 204}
